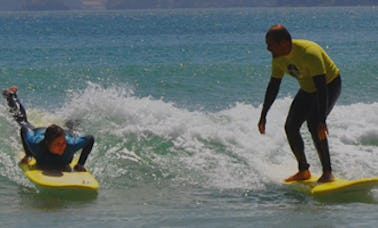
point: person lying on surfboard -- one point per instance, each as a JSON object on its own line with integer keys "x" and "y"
{"x": 320, "y": 85}
{"x": 52, "y": 147}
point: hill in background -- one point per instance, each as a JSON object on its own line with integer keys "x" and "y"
{"x": 23, "y": 5}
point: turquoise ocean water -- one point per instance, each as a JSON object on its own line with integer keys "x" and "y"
{"x": 173, "y": 98}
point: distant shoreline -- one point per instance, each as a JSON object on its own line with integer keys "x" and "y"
{"x": 64, "y": 5}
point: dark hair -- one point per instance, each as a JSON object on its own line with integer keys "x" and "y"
{"x": 52, "y": 132}
{"x": 278, "y": 33}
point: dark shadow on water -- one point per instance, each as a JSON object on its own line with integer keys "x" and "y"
{"x": 349, "y": 197}
{"x": 293, "y": 196}
{"x": 46, "y": 199}
{"x": 368, "y": 197}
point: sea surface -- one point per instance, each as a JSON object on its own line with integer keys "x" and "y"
{"x": 173, "y": 98}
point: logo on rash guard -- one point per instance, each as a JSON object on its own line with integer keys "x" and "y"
{"x": 293, "y": 71}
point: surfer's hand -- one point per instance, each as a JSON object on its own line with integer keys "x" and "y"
{"x": 79, "y": 168}
{"x": 261, "y": 125}
{"x": 322, "y": 131}
{"x": 25, "y": 159}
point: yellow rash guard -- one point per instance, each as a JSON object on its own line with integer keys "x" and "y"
{"x": 305, "y": 60}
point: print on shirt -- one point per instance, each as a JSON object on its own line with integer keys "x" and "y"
{"x": 293, "y": 71}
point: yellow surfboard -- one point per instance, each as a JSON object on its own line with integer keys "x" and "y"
{"x": 337, "y": 186}
{"x": 53, "y": 179}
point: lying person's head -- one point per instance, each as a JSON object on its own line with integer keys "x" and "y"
{"x": 55, "y": 139}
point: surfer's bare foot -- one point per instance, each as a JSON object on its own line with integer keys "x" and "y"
{"x": 326, "y": 177}
{"x": 301, "y": 175}
{"x": 79, "y": 168}
{"x": 25, "y": 159}
{"x": 10, "y": 90}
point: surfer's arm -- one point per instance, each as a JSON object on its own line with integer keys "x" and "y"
{"x": 270, "y": 96}
{"x": 84, "y": 153}
{"x": 29, "y": 137}
{"x": 322, "y": 96}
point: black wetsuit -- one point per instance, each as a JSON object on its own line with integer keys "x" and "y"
{"x": 38, "y": 149}
{"x": 320, "y": 86}
{"x": 306, "y": 107}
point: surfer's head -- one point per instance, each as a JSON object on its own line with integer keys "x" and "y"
{"x": 278, "y": 40}
{"x": 55, "y": 139}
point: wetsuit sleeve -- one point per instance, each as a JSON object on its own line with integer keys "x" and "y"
{"x": 270, "y": 95}
{"x": 31, "y": 139}
{"x": 81, "y": 142}
{"x": 322, "y": 96}
{"x": 33, "y": 136}
{"x": 86, "y": 150}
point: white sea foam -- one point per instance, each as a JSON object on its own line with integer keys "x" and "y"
{"x": 224, "y": 148}
{"x": 213, "y": 149}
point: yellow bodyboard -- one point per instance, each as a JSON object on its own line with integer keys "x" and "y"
{"x": 337, "y": 186}
{"x": 54, "y": 179}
